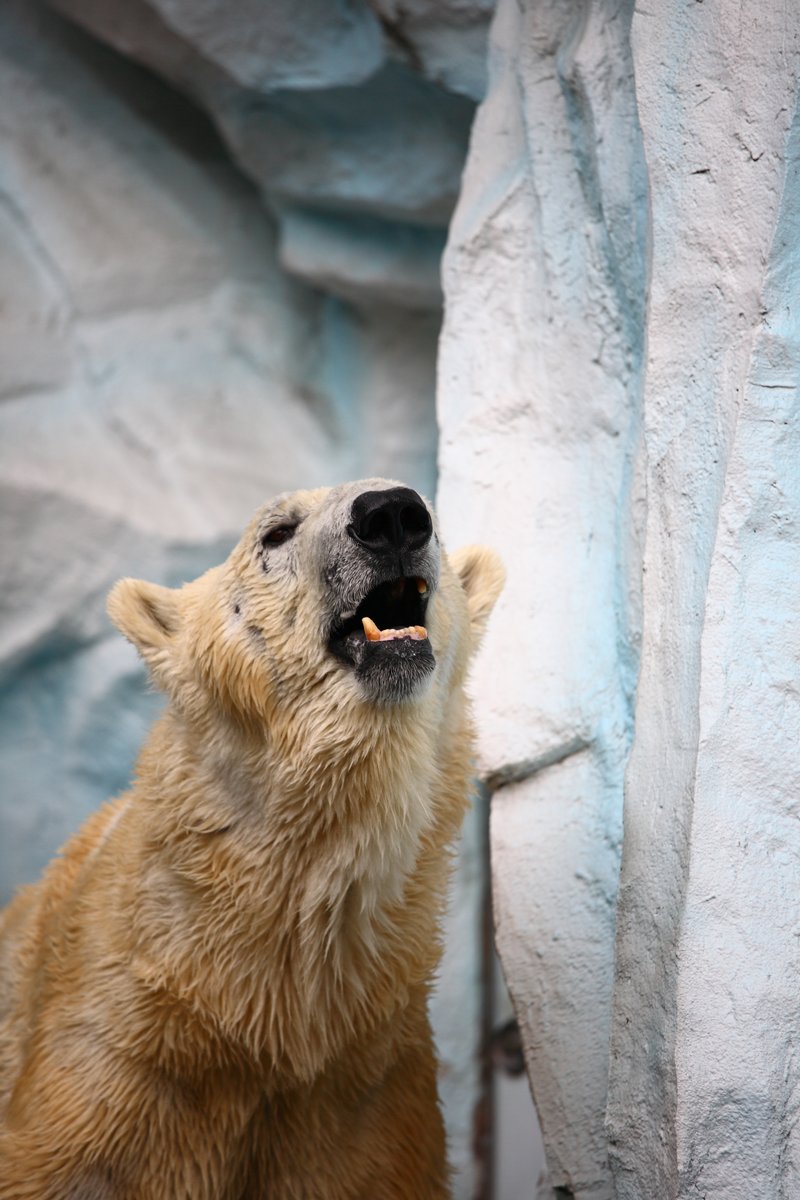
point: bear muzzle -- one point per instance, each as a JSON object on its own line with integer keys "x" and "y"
{"x": 383, "y": 573}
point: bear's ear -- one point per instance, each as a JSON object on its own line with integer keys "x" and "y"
{"x": 482, "y": 577}
{"x": 149, "y": 616}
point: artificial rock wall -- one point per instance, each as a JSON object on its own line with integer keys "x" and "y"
{"x": 618, "y": 400}
{"x": 161, "y": 376}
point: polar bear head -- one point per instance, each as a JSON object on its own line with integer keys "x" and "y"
{"x": 333, "y": 599}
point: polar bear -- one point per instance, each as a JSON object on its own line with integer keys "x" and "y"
{"x": 218, "y": 990}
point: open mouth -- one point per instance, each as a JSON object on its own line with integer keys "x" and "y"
{"x": 392, "y": 610}
{"x": 385, "y": 640}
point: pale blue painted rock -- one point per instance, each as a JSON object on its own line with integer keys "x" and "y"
{"x": 166, "y": 379}
{"x": 445, "y": 39}
{"x": 363, "y": 258}
{"x": 371, "y": 136}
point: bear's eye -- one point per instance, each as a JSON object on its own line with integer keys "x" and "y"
{"x": 278, "y": 535}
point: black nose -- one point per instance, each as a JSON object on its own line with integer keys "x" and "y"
{"x": 394, "y": 520}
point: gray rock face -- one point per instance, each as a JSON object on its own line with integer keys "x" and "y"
{"x": 363, "y": 259}
{"x": 317, "y": 44}
{"x": 163, "y": 378}
{"x": 334, "y": 117}
{"x": 600, "y": 470}
{"x": 445, "y": 39}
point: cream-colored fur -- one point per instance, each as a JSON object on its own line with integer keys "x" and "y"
{"x": 218, "y": 990}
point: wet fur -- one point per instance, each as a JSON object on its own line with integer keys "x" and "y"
{"x": 218, "y": 990}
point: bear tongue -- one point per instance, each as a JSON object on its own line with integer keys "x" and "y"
{"x": 373, "y": 634}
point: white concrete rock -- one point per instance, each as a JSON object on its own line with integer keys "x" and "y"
{"x": 538, "y": 376}
{"x": 554, "y": 430}
{"x": 706, "y": 1001}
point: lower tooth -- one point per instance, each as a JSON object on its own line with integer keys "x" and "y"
{"x": 374, "y": 634}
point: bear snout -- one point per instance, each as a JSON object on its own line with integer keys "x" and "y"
{"x": 390, "y": 523}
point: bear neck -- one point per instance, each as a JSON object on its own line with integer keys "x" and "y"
{"x": 368, "y": 764}
{"x": 312, "y": 865}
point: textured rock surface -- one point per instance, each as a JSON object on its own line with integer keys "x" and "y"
{"x": 327, "y": 108}
{"x": 164, "y": 378}
{"x": 446, "y": 39}
{"x": 315, "y": 44}
{"x": 538, "y": 381}
{"x": 363, "y": 259}
{"x": 554, "y": 432}
{"x": 706, "y": 1006}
